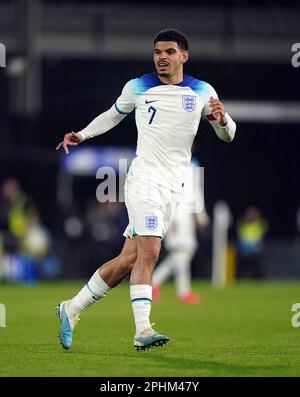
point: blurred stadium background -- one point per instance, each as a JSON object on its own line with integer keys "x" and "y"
{"x": 66, "y": 62}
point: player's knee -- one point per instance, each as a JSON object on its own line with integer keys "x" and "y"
{"x": 149, "y": 255}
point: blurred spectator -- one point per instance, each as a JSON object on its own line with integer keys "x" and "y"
{"x": 36, "y": 243}
{"x": 251, "y": 230}
{"x": 24, "y": 241}
{"x": 13, "y": 219}
{"x": 35, "y": 247}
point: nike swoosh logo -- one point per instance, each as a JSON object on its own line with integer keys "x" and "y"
{"x": 146, "y": 102}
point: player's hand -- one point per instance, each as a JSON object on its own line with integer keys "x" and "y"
{"x": 70, "y": 139}
{"x": 218, "y": 110}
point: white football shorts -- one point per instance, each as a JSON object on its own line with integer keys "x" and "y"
{"x": 150, "y": 206}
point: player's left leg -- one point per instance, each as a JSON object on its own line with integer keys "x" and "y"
{"x": 103, "y": 280}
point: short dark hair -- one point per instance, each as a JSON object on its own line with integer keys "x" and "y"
{"x": 173, "y": 35}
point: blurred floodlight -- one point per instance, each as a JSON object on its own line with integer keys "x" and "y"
{"x": 73, "y": 227}
{"x": 16, "y": 66}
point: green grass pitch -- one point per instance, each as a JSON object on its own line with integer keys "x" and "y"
{"x": 242, "y": 330}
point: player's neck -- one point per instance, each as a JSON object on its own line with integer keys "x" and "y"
{"x": 174, "y": 79}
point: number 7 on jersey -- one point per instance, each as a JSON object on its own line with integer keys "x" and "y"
{"x": 151, "y": 109}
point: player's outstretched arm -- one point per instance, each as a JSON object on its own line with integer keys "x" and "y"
{"x": 220, "y": 120}
{"x": 101, "y": 124}
{"x": 70, "y": 139}
{"x": 105, "y": 121}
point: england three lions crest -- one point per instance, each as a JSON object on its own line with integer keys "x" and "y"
{"x": 151, "y": 222}
{"x": 189, "y": 102}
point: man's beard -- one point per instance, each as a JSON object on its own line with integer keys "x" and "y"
{"x": 164, "y": 74}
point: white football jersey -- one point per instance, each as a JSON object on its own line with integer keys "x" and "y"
{"x": 167, "y": 119}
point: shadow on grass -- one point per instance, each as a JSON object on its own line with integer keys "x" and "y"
{"x": 197, "y": 364}
{"x": 146, "y": 363}
{"x": 211, "y": 367}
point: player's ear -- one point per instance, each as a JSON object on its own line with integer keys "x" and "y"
{"x": 185, "y": 55}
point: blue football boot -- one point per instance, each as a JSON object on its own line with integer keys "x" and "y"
{"x": 67, "y": 324}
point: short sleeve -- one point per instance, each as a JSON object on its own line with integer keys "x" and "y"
{"x": 127, "y": 100}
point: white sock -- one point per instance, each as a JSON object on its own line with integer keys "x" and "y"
{"x": 94, "y": 290}
{"x": 141, "y": 295}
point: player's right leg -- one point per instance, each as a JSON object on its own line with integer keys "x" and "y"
{"x": 103, "y": 280}
{"x": 151, "y": 208}
{"x": 148, "y": 248}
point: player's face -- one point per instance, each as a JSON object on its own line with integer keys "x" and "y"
{"x": 168, "y": 58}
